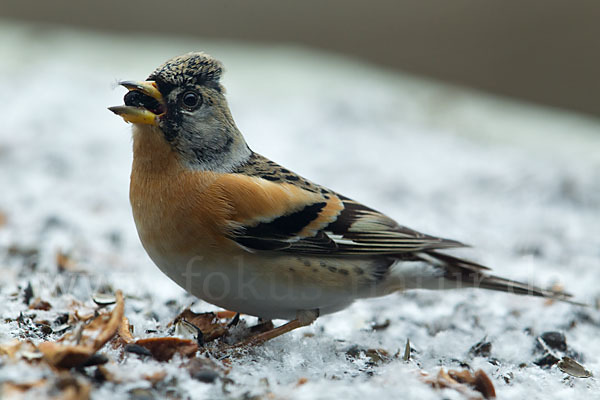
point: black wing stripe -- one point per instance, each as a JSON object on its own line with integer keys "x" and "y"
{"x": 286, "y": 226}
{"x": 357, "y": 231}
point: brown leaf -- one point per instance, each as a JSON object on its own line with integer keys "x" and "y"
{"x": 72, "y": 388}
{"x": 11, "y": 390}
{"x": 17, "y": 349}
{"x": 484, "y": 385}
{"x": 472, "y": 386}
{"x": 10, "y": 349}
{"x": 87, "y": 341}
{"x": 155, "y": 377}
{"x": 301, "y": 381}
{"x": 208, "y": 323}
{"x": 164, "y": 348}
{"x": 463, "y": 376}
{"x": 64, "y": 387}
{"x": 125, "y": 331}
{"x": 64, "y": 356}
{"x": 104, "y": 374}
{"x": 39, "y": 304}
{"x": 109, "y": 329}
{"x": 64, "y": 262}
{"x": 3, "y": 219}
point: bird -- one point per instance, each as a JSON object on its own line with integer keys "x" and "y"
{"x": 244, "y": 233}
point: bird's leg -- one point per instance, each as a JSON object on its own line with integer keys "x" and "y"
{"x": 262, "y": 326}
{"x": 303, "y": 318}
{"x": 234, "y": 321}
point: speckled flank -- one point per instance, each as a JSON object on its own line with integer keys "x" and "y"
{"x": 338, "y": 273}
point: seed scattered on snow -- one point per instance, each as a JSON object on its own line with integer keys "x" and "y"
{"x": 406, "y": 356}
{"x": 104, "y": 299}
{"x": 380, "y": 326}
{"x": 573, "y": 368}
{"x": 483, "y": 348}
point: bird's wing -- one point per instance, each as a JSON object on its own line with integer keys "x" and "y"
{"x": 273, "y": 216}
{"x": 276, "y": 216}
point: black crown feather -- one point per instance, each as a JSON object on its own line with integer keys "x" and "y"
{"x": 195, "y": 68}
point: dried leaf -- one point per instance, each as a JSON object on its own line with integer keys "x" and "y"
{"x": 105, "y": 375}
{"x": 80, "y": 312}
{"x": 72, "y": 388}
{"x": 155, "y": 377}
{"x": 208, "y": 323}
{"x": 471, "y": 386}
{"x": 463, "y": 376}
{"x": 18, "y": 349}
{"x": 11, "y": 390}
{"x": 39, "y": 304}
{"x": 125, "y": 331}
{"x": 111, "y": 327}
{"x": 85, "y": 341}
{"x": 163, "y": 349}
{"x": 484, "y": 385}
{"x": 64, "y": 262}
{"x": 62, "y": 356}
{"x": 31, "y": 355}
{"x": 10, "y": 349}
{"x": 3, "y": 219}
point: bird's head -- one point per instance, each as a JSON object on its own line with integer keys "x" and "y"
{"x": 185, "y": 100}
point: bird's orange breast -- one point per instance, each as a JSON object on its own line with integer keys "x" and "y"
{"x": 172, "y": 205}
{"x": 182, "y": 211}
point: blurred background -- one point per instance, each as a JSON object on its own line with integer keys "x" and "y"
{"x": 468, "y": 119}
{"x": 542, "y": 51}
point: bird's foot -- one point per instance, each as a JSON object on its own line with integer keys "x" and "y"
{"x": 303, "y": 318}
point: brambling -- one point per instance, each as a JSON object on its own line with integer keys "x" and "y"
{"x": 244, "y": 233}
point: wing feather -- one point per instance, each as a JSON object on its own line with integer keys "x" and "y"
{"x": 325, "y": 223}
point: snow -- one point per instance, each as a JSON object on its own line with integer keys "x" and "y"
{"x": 518, "y": 182}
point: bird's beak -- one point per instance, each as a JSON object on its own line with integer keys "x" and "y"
{"x": 144, "y": 104}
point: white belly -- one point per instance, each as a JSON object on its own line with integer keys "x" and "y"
{"x": 268, "y": 290}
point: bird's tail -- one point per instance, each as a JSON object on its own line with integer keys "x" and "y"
{"x": 464, "y": 273}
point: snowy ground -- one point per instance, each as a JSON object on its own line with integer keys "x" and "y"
{"x": 519, "y": 183}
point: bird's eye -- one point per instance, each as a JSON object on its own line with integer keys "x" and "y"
{"x": 190, "y": 100}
